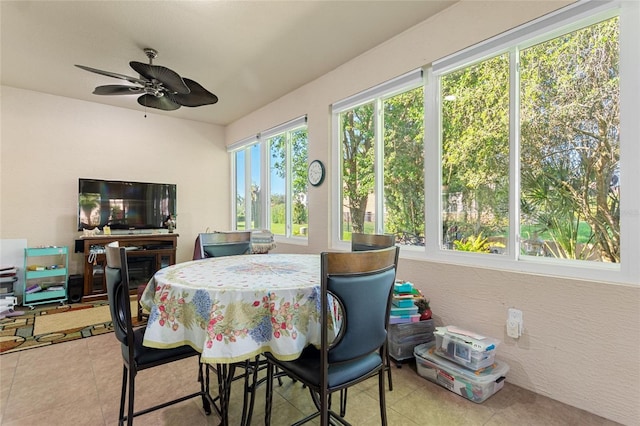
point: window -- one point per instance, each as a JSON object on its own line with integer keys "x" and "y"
{"x": 246, "y": 166}
{"x": 570, "y": 145}
{"x": 288, "y": 183}
{"x": 270, "y": 180}
{"x": 566, "y": 139}
{"x": 475, "y": 156}
{"x": 381, "y": 134}
{"x": 526, "y": 137}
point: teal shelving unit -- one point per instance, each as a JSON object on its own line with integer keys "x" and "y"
{"x": 46, "y": 270}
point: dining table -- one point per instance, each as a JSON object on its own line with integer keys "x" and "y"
{"x": 234, "y": 308}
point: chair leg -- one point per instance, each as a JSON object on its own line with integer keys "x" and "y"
{"x": 383, "y": 404}
{"x": 123, "y": 394}
{"x": 388, "y": 368}
{"x": 343, "y": 402}
{"x": 132, "y": 393}
{"x": 204, "y": 389}
{"x": 250, "y": 386}
{"x": 269, "y": 396}
{"x": 325, "y": 404}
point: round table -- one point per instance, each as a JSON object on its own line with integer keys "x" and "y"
{"x": 235, "y": 307}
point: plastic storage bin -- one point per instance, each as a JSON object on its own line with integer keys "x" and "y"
{"x": 402, "y": 338}
{"x": 403, "y": 350}
{"x": 475, "y": 386}
{"x": 469, "y": 350}
{"x": 399, "y": 332}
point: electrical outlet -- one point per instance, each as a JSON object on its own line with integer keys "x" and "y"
{"x": 515, "y": 314}
{"x": 513, "y": 329}
{"x": 514, "y": 323}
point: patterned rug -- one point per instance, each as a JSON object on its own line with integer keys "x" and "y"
{"x": 55, "y": 323}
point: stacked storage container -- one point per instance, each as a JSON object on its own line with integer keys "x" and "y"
{"x": 405, "y": 328}
{"x": 463, "y": 362}
{"x": 403, "y": 309}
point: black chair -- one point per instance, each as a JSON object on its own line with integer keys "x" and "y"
{"x": 218, "y": 244}
{"x": 361, "y": 283}
{"x": 365, "y": 242}
{"x": 137, "y": 357}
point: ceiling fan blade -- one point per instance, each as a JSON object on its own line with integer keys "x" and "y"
{"x": 162, "y": 102}
{"x": 113, "y": 74}
{"x": 115, "y": 89}
{"x": 169, "y": 78}
{"x": 199, "y": 95}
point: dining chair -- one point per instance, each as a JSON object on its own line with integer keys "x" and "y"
{"x": 216, "y": 244}
{"x": 365, "y": 242}
{"x": 137, "y": 357}
{"x": 361, "y": 284}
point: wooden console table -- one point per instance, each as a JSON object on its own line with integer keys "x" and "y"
{"x": 147, "y": 254}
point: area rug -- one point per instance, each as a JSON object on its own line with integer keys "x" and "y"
{"x": 56, "y": 323}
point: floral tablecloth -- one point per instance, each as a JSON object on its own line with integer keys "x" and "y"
{"x": 233, "y": 308}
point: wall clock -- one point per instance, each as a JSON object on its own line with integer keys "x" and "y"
{"x": 316, "y": 172}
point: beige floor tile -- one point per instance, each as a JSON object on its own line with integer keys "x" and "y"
{"x": 78, "y": 383}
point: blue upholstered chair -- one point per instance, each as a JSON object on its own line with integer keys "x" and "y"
{"x": 361, "y": 283}
{"x": 365, "y": 242}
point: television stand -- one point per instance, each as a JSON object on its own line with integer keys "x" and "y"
{"x": 148, "y": 254}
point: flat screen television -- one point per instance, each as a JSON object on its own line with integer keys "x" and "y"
{"x": 124, "y": 205}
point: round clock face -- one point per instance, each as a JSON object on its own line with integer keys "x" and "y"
{"x": 316, "y": 172}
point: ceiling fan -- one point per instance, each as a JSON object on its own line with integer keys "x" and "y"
{"x": 158, "y": 86}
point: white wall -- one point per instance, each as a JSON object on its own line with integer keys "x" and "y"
{"x": 48, "y": 142}
{"x": 580, "y": 340}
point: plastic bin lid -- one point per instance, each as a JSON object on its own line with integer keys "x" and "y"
{"x": 485, "y": 375}
{"x": 473, "y": 340}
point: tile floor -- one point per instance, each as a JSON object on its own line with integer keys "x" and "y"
{"x": 78, "y": 383}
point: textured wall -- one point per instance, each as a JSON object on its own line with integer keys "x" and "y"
{"x": 580, "y": 341}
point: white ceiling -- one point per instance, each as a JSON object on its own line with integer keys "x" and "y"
{"x": 248, "y": 53}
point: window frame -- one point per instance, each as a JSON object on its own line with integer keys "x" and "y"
{"x": 573, "y": 18}
{"x": 376, "y": 96}
{"x": 262, "y": 141}
{"x": 547, "y": 27}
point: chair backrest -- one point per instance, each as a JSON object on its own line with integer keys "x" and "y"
{"x": 117, "y": 275}
{"x": 361, "y": 283}
{"x": 366, "y": 242}
{"x": 219, "y": 244}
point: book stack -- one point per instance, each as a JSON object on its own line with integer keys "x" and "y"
{"x": 405, "y": 328}
{"x": 8, "y": 277}
{"x": 403, "y": 309}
